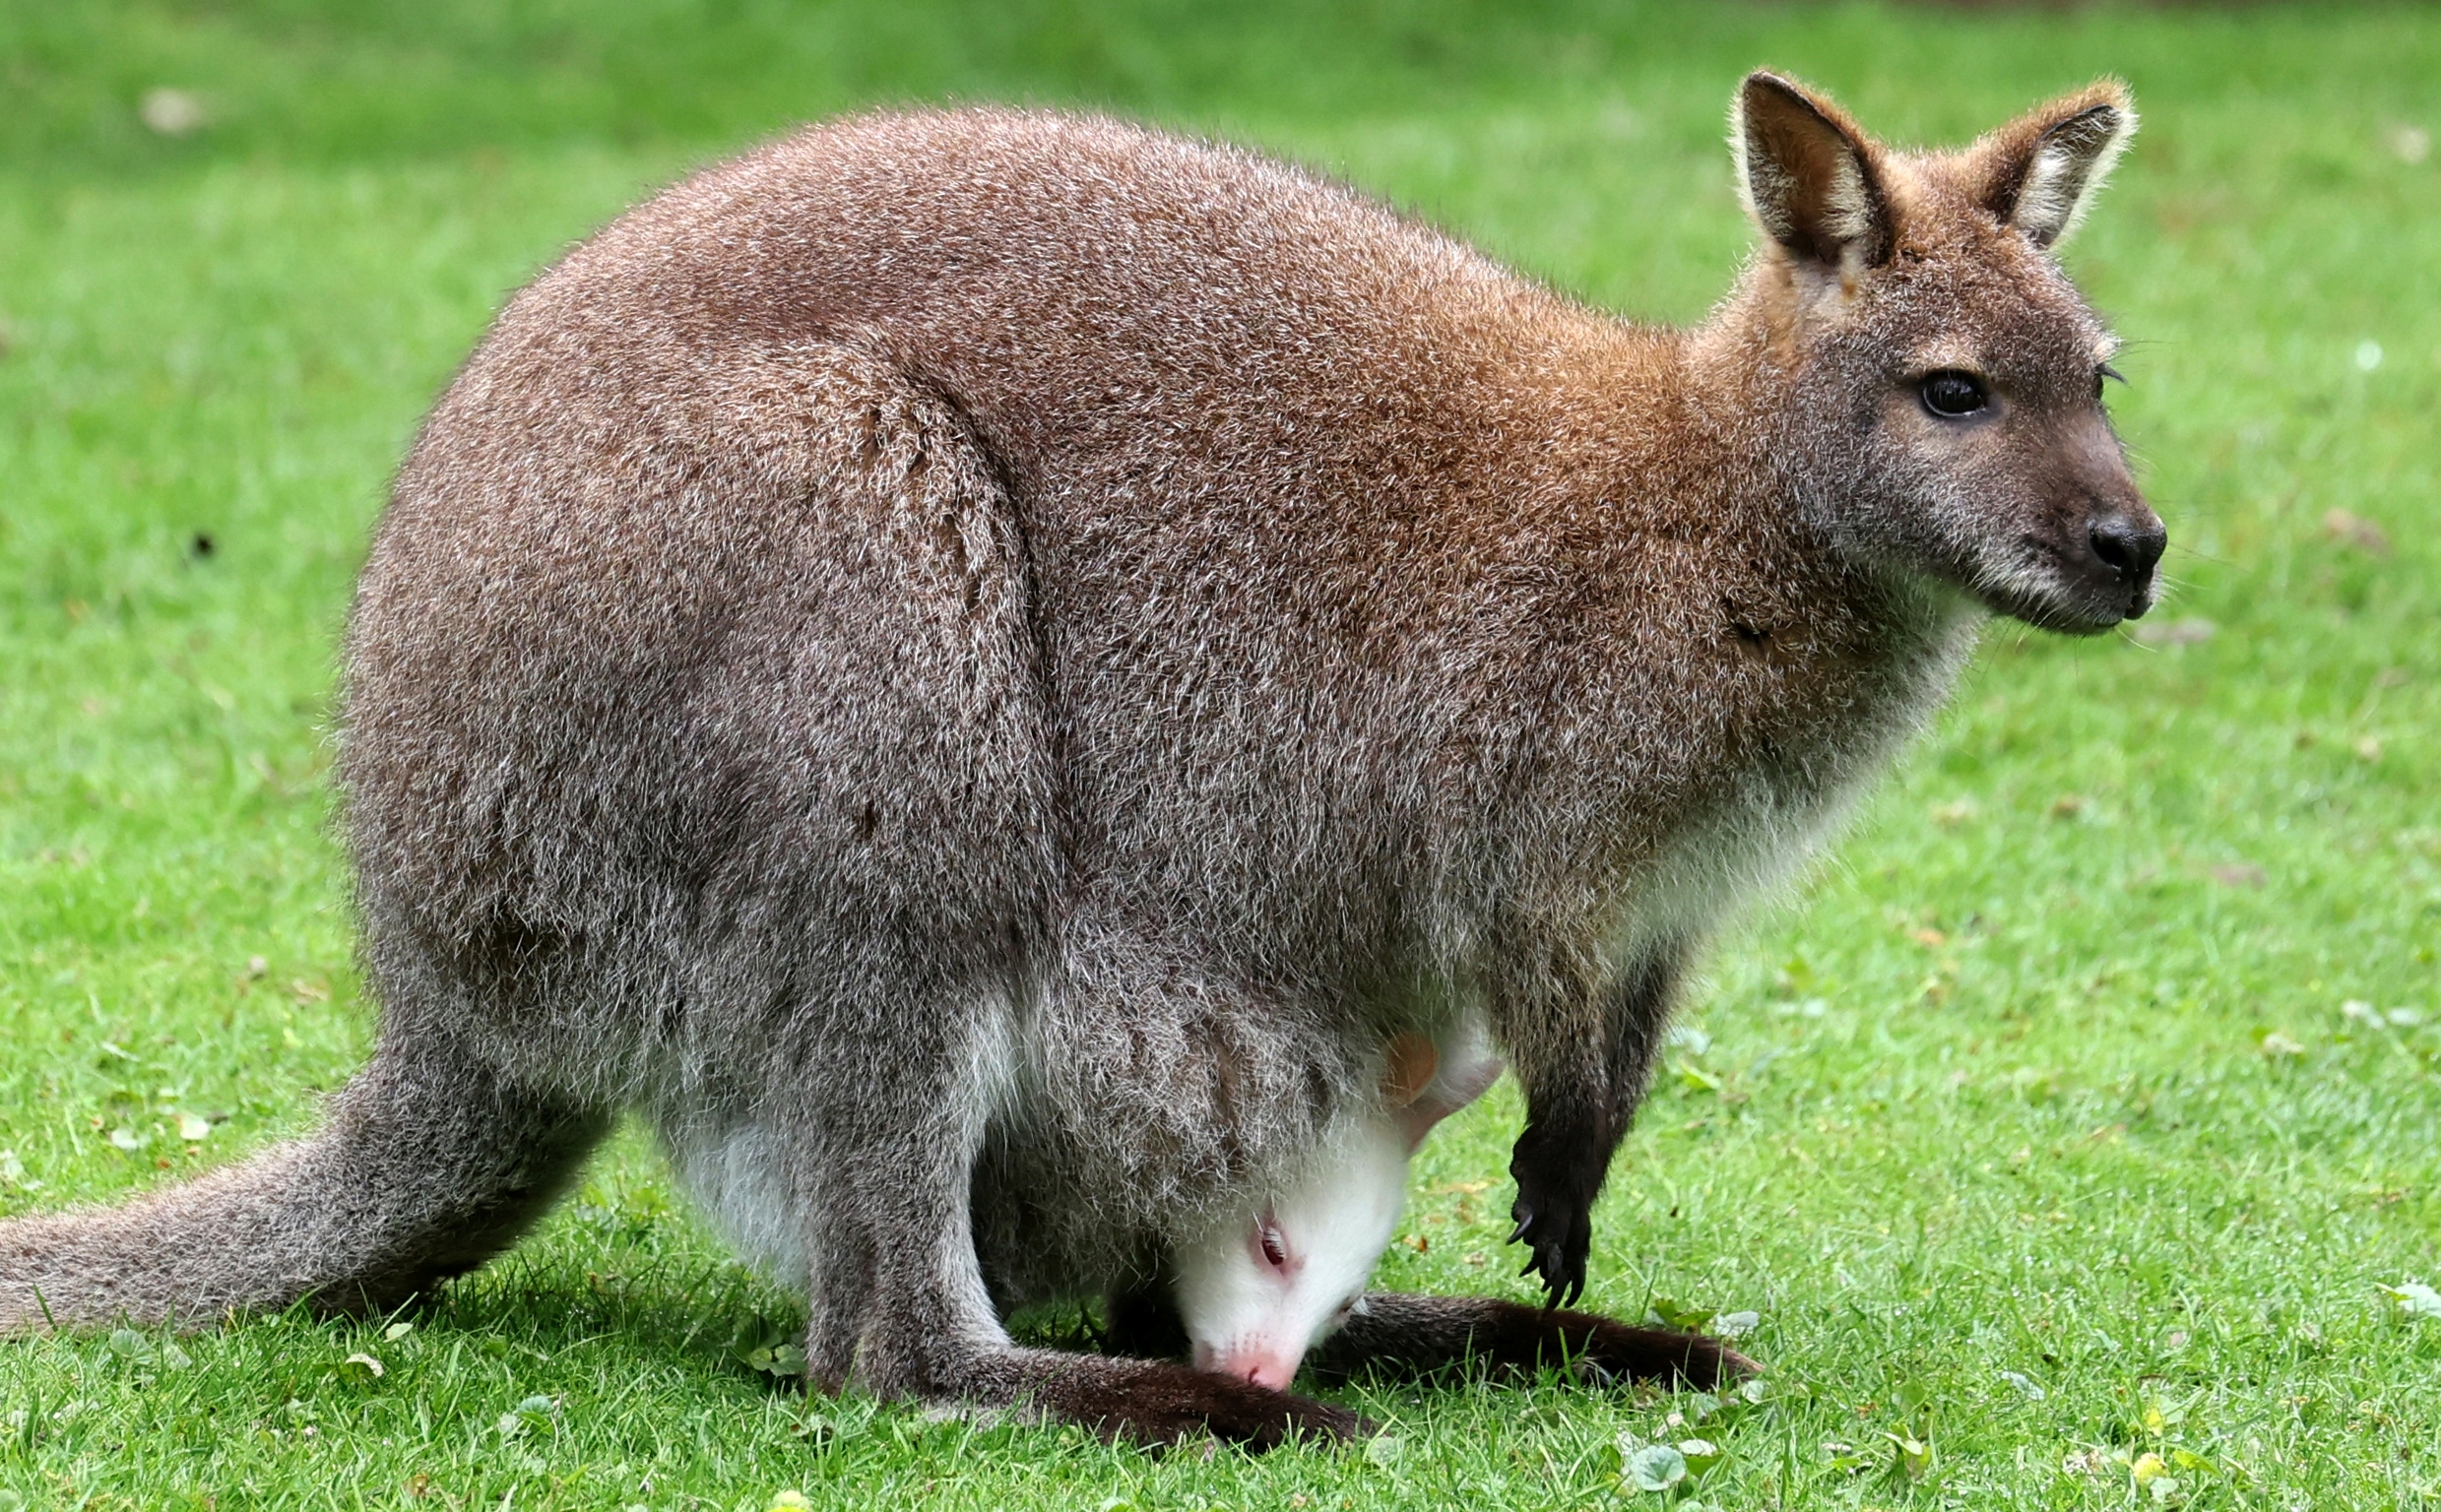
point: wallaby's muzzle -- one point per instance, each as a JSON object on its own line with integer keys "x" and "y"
{"x": 2108, "y": 541}
{"x": 2094, "y": 565}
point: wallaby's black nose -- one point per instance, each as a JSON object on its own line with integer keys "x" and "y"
{"x": 2129, "y": 546}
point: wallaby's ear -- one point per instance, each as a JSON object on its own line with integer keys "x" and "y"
{"x": 2041, "y": 170}
{"x": 1809, "y": 178}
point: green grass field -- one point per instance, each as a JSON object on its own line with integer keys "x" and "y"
{"x": 2038, "y": 1129}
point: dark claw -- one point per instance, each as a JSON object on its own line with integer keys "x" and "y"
{"x": 1562, "y": 1284}
{"x": 1559, "y": 1173}
{"x": 1549, "y": 1255}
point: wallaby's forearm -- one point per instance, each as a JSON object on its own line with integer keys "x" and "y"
{"x": 1578, "y": 1112}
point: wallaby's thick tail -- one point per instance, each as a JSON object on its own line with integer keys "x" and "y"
{"x": 426, "y": 1165}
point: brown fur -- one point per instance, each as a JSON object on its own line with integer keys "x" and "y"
{"x": 979, "y": 666}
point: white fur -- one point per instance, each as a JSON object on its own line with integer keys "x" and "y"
{"x": 739, "y": 1177}
{"x": 738, "y": 1173}
{"x": 1249, "y": 1318}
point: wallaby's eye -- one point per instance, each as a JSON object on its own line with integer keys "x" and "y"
{"x": 1275, "y": 1248}
{"x": 2103, "y": 374}
{"x": 1953, "y": 395}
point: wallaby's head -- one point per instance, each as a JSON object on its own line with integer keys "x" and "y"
{"x": 1937, "y": 381}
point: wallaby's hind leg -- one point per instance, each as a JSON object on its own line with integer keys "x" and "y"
{"x": 1419, "y": 1333}
{"x": 880, "y": 1193}
{"x": 967, "y": 1359}
{"x": 427, "y": 1165}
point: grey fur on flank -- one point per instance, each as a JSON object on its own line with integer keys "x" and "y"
{"x": 978, "y": 665}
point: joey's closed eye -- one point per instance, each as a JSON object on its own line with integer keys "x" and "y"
{"x": 2105, "y": 373}
{"x": 1953, "y": 395}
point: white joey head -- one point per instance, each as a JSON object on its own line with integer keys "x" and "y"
{"x": 1255, "y": 1292}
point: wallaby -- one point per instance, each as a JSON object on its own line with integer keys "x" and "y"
{"x": 1255, "y": 1291}
{"x": 977, "y": 667}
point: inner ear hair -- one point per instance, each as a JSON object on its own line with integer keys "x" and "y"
{"x": 1414, "y": 1061}
{"x": 2045, "y": 167}
{"x": 1809, "y": 176}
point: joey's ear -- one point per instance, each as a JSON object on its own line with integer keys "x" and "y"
{"x": 2041, "y": 170}
{"x": 1454, "y": 1090}
{"x": 1809, "y": 178}
{"x": 1413, "y": 1064}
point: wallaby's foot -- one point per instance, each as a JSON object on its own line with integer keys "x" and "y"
{"x": 1423, "y": 1333}
{"x": 1148, "y": 1403}
{"x": 1152, "y": 1402}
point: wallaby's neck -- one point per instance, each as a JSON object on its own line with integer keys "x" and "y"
{"x": 1710, "y": 548}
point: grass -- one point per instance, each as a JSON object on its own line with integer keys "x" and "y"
{"x": 2032, "y": 1128}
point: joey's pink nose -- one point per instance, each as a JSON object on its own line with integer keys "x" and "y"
{"x": 1262, "y": 1367}
{"x": 1274, "y": 1374}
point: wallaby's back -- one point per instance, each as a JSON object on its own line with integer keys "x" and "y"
{"x": 1294, "y": 513}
